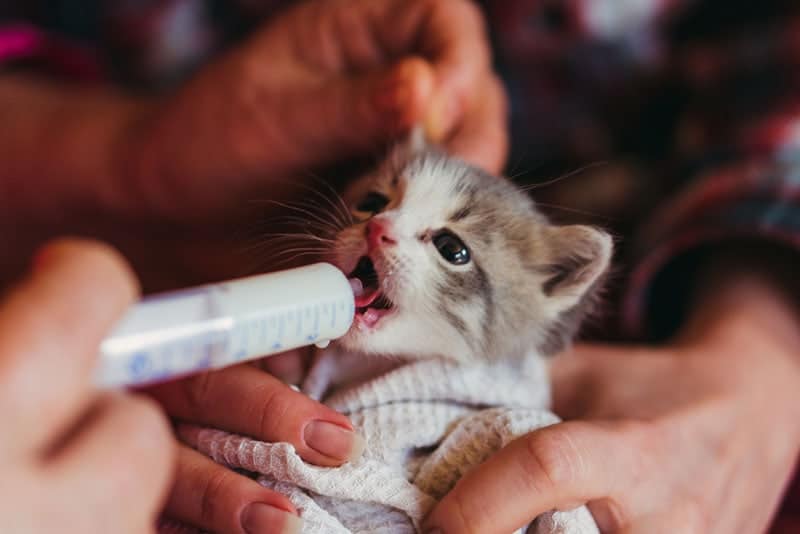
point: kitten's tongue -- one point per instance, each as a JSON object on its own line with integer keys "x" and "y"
{"x": 367, "y": 297}
{"x": 363, "y": 296}
{"x": 371, "y": 305}
{"x": 357, "y": 286}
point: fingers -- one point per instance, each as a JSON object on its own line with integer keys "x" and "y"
{"x": 467, "y": 107}
{"x": 357, "y": 114}
{"x": 217, "y": 499}
{"x": 440, "y": 76}
{"x": 482, "y": 138}
{"x": 558, "y": 467}
{"x": 245, "y": 400}
{"x": 50, "y": 329}
{"x": 453, "y": 37}
{"x": 119, "y": 464}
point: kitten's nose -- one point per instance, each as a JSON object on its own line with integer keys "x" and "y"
{"x": 378, "y": 234}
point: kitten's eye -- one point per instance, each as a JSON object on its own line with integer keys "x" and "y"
{"x": 372, "y": 203}
{"x": 451, "y": 247}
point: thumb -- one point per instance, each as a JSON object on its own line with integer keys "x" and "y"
{"x": 558, "y": 467}
{"x": 357, "y": 114}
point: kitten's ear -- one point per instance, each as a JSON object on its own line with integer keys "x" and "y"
{"x": 579, "y": 255}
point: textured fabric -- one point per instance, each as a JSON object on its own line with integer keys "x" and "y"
{"x": 425, "y": 424}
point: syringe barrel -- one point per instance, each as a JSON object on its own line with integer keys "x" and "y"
{"x": 178, "y": 333}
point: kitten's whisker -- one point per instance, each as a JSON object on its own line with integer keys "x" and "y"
{"x": 298, "y": 209}
{"x": 339, "y": 209}
{"x": 295, "y": 253}
{"x": 280, "y": 241}
{"x": 329, "y": 210}
{"x": 554, "y": 181}
{"x": 302, "y": 223}
{"x": 300, "y": 236}
{"x": 347, "y": 216}
{"x": 574, "y": 210}
{"x": 278, "y": 258}
{"x": 272, "y": 256}
{"x": 283, "y": 245}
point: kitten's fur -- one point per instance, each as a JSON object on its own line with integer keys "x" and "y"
{"x": 528, "y": 282}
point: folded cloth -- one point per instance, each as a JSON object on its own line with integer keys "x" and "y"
{"x": 425, "y": 423}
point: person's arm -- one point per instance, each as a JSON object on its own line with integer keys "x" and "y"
{"x": 60, "y": 148}
{"x": 261, "y": 114}
{"x": 172, "y": 181}
{"x": 696, "y": 430}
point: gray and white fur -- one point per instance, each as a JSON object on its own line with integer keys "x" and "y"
{"x": 527, "y": 284}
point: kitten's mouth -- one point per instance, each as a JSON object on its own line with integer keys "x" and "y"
{"x": 371, "y": 304}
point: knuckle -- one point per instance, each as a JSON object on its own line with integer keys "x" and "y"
{"x": 273, "y": 410}
{"x": 460, "y": 512}
{"x": 550, "y": 455}
{"x": 212, "y": 494}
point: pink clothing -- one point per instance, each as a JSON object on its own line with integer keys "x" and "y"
{"x": 23, "y": 43}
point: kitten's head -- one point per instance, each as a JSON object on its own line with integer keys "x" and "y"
{"x": 460, "y": 264}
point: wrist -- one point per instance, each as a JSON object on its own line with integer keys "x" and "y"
{"x": 745, "y": 314}
{"x": 206, "y": 134}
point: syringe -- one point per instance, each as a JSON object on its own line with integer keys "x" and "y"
{"x": 187, "y": 331}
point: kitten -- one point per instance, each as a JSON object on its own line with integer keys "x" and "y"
{"x": 458, "y": 278}
{"x": 457, "y": 263}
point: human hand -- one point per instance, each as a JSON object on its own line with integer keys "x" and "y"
{"x": 74, "y": 459}
{"x": 246, "y": 400}
{"x": 323, "y": 81}
{"x": 697, "y": 437}
{"x": 172, "y": 182}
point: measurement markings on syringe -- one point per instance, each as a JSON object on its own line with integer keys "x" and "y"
{"x": 247, "y": 336}
{"x": 315, "y": 331}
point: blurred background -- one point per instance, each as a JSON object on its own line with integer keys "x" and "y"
{"x": 643, "y": 93}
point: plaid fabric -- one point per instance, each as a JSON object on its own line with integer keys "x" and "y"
{"x": 677, "y": 122}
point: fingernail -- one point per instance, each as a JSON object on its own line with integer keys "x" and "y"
{"x": 260, "y": 518}
{"x": 333, "y": 440}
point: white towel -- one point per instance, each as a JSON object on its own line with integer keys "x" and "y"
{"x": 425, "y": 423}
